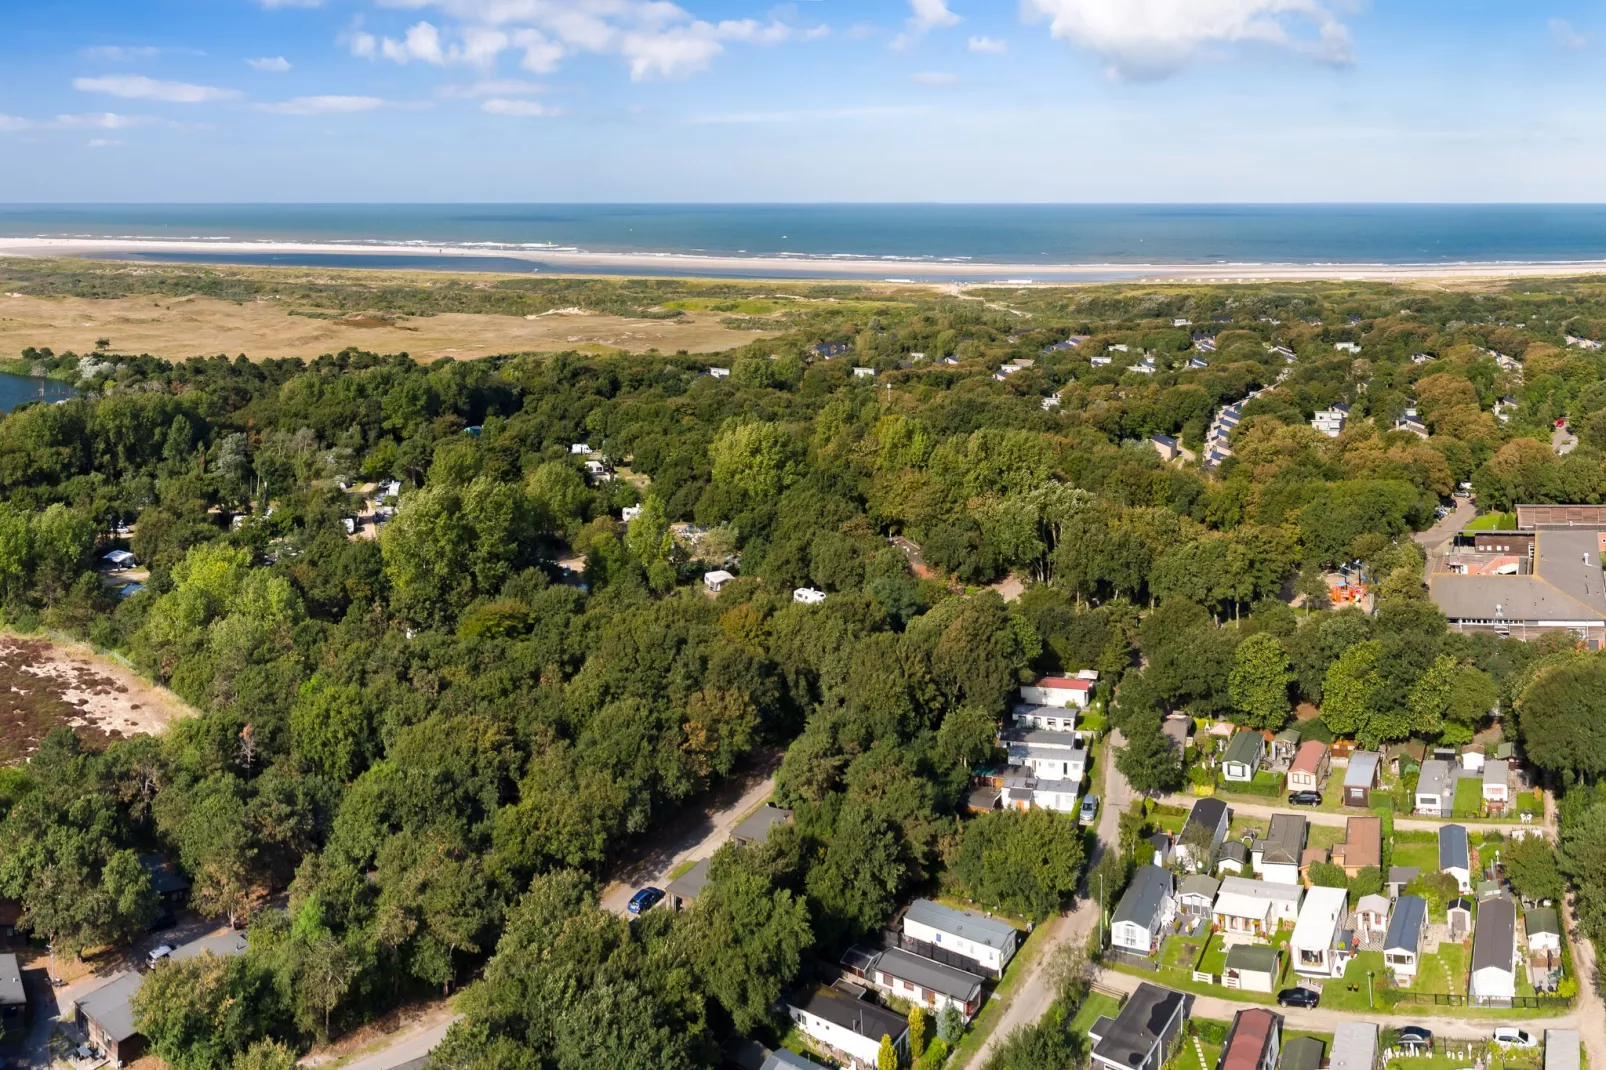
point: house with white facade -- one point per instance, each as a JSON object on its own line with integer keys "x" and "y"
{"x": 1277, "y": 857}
{"x": 987, "y": 942}
{"x": 1049, "y": 755}
{"x": 847, "y": 1027}
{"x": 1330, "y": 422}
{"x": 1497, "y": 786}
{"x": 1494, "y": 954}
{"x": 1435, "y": 789}
{"x": 1402, "y": 944}
{"x": 1242, "y": 757}
{"x": 1048, "y": 718}
{"x": 1455, "y": 855}
{"x": 1211, "y": 814}
{"x": 918, "y": 980}
{"x": 1144, "y": 1034}
{"x": 1145, "y": 908}
{"x": 1321, "y": 945}
{"x": 1256, "y": 907}
{"x": 1072, "y": 692}
{"x": 1544, "y": 930}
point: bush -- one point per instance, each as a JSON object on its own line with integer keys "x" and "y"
{"x": 1208, "y": 1030}
{"x": 936, "y": 1054}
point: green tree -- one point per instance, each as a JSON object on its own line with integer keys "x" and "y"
{"x": 330, "y": 729}
{"x": 1020, "y": 862}
{"x": 1327, "y": 875}
{"x": 1352, "y": 689}
{"x": 1149, "y": 761}
{"x": 917, "y": 1032}
{"x": 265, "y": 1055}
{"x": 1533, "y": 868}
{"x": 758, "y": 459}
{"x": 1562, "y": 715}
{"x": 1259, "y": 682}
{"x": 887, "y": 1057}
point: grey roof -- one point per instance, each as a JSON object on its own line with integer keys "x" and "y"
{"x": 110, "y": 1005}
{"x": 165, "y": 877}
{"x": 1137, "y": 1030}
{"x": 860, "y": 958}
{"x": 1042, "y": 737}
{"x": 1245, "y": 749}
{"x": 1200, "y": 884}
{"x": 1302, "y": 1053}
{"x": 929, "y": 975}
{"x": 1285, "y": 839}
{"x": 689, "y": 885}
{"x": 12, "y": 994}
{"x": 1354, "y": 1046}
{"x": 1494, "y": 937}
{"x": 1207, "y": 812}
{"x": 782, "y": 1059}
{"x": 977, "y": 928}
{"x": 1235, "y": 852}
{"x": 1543, "y": 920}
{"x": 1406, "y": 923}
{"x": 856, "y": 1015}
{"x": 1362, "y": 770}
{"x": 1144, "y": 897}
{"x": 223, "y": 945}
{"x": 1257, "y": 958}
{"x": 1454, "y": 853}
{"x": 1562, "y": 1047}
{"x": 1497, "y": 772}
{"x": 1566, "y": 584}
{"x": 1436, "y": 778}
{"x": 757, "y": 826}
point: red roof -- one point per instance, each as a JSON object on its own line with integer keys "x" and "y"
{"x": 1064, "y": 682}
{"x": 1249, "y": 1038}
{"x": 1308, "y": 758}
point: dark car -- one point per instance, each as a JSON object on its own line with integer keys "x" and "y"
{"x": 1305, "y": 998}
{"x": 645, "y": 900}
{"x": 161, "y": 923}
{"x": 1414, "y": 1036}
{"x": 1304, "y": 798}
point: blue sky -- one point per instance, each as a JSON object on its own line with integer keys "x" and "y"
{"x": 816, "y": 100}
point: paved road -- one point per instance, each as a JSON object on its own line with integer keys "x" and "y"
{"x": 1032, "y": 999}
{"x": 694, "y": 836}
{"x": 1329, "y": 817}
{"x": 1563, "y": 441}
{"x": 405, "y": 1047}
{"x": 1592, "y": 1010}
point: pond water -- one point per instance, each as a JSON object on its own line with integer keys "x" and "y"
{"x": 16, "y": 389}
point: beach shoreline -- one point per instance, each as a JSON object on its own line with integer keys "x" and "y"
{"x": 900, "y": 270}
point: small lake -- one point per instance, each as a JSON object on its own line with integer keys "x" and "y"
{"x": 16, "y": 389}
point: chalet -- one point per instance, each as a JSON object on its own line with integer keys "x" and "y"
{"x": 1254, "y": 1042}
{"x": 808, "y": 596}
{"x": 1197, "y": 363}
{"x": 1412, "y": 424}
{"x": 1143, "y": 1035}
{"x": 1144, "y": 911}
{"x": 850, "y": 1027}
{"x": 1435, "y": 789}
{"x": 1232, "y": 859}
{"x": 1101, "y": 362}
{"x": 13, "y": 996}
{"x": 1277, "y": 857}
{"x": 118, "y": 560}
{"x": 779, "y": 1059}
{"x": 1167, "y": 447}
{"x": 1354, "y": 1047}
{"x": 1544, "y": 929}
{"x": 1197, "y": 895}
{"x": 172, "y": 888}
{"x": 1455, "y": 855}
{"x": 1458, "y": 918}
{"x": 579, "y": 449}
{"x": 1057, "y": 795}
{"x": 1049, "y": 755}
{"x": 1330, "y": 422}
{"x": 1146, "y": 366}
{"x": 1347, "y": 347}
{"x": 1496, "y": 786}
{"x": 1204, "y": 343}
{"x": 1161, "y": 842}
{"x": 719, "y": 373}
{"x": 1212, "y": 815}
{"x": 1308, "y": 772}
{"x": 1494, "y": 954}
{"x": 1251, "y": 968}
{"x": 1303, "y": 1053}
{"x": 1399, "y": 878}
{"x": 105, "y": 1017}
{"x": 683, "y": 891}
{"x": 758, "y": 825}
{"x": 1321, "y": 946}
{"x": 1372, "y": 915}
{"x": 716, "y": 580}
{"x": 1048, "y": 718}
{"x": 864, "y": 373}
{"x": 987, "y": 942}
{"x": 1258, "y": 907}
{"x": 1242, "y": 757}
{"x": 224, "y": 946}
{"x": 1362, "y": 847}
{"x": 1062, "y": 691}
{"x": 1360, "y": 778}
{"x": 1402, "y": 944}
{"x": 924, "y": 982}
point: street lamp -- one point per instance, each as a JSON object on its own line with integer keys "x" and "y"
{"x": 1368, "y": 989}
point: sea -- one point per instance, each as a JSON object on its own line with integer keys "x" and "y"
{"x": 907, "y": 237}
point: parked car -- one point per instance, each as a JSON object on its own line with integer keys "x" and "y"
{"x": 1512, "y": 1037}
{"x": 645, "y": 900}
{"x": 1414, "y": 1036}
{"x": 158, "y": 954}
{"x": 1089, "y": 811}
{"x": 1304, "y": 998}
{"x": 162, "y": 922}
{"x": 1304, "y": 798}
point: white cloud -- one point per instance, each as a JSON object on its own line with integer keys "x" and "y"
{"x": 500, "y": 87}
{"x": 926, "y": 15}
{"x": 102, "y": 143}
{"x": 989, "y": 46}
{"x": 477, "y": 46}
{"x": 101, "y": 120}
{"x": 270, "y": 64}
{"x": 524, "y": 109}
{"x": 139, "y": 87}
{"x": 325, "y": 105}
{"x": 1568, "y": 36}
{"x": 119, "y": 53}
{"x": 934, "y": 78}
{"x": 1153, "y": 38}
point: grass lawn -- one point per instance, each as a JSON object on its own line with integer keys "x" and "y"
{"x": 1493, "y": 522}
{"x": 1215, "y": 957}
{"x": 1469, "y": 795}
{"x": 1241, "y": 825}
{"x": 1425, "y": 856}
{"x": 1180, "y": 953}
{"x": 1325, "y": 836}
{"x": 1188, "y": 1057}
{"x": 1095, "y": 1004}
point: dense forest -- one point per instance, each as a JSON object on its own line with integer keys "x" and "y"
{"x": 429, "y": 746}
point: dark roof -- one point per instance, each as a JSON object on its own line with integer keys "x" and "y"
{"x": 756, "y": 828}
{"x": 1251, "y": 1033}
{"x": 1543, "y": 920}
{"x": 1138, "y": 1028}
{"x": 1460, "y": 902}
{"x": 1405, "y": 924}
{"x": 689, "y": 885}
{"x": 1245, "y": 748}
{"x": 222, "y": 945}
{"x": 929, "y": 975}
{"x": 1144, "y": 897}
{"x": 1494, "y": 938}
{"x": 165, "y": 877}
{"x": 1285, "y": 839}
{"x": 1404, "y": 874}
{"x": 1302, "y": 1053}
{"x": 860, "y": 958}
{"x": 110, "y": 1005}
{"x": 857, "y": 1015}
{"x": 1200, "y": 884}
{"x": 12, "y": 994}
{"x": 781, "y": 1059}
{"x": 1454, "y": 852}
{"x": 1235, "y": 852}
{"x": 1256, "y": 957}
{"x": 1207, "y": 812}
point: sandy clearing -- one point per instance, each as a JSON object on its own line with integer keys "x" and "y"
{"x": 177, "y": 328}
{"x": 43, "y": 684}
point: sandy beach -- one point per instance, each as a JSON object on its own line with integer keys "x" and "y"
{"x": 794, "y": 267}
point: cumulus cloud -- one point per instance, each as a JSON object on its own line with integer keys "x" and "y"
{"x": 325, "y": 105}
{"x": 139, "y": 87}
{"x": 270, "y": 64}
{"x": 1568, "y": 36}
{"x": 925, "y": 16}
{"x": 1153, "y": 38}
{"x": 989, "y": 46}
{"x": 655, "y": 38}
{"x": 523, "y": 109}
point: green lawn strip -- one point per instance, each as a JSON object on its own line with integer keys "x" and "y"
{"x": 1493, "y": 522}
{"x": 1182, "y": 981}
{"x": 1325, "y": 836}
{"x": 1468, "y": 795}
{"x": 1095, "y": 1005}
{"x": 982, "y": 1026}
{"x": 1424, "y": 856}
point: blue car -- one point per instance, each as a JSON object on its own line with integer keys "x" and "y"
{"x": 645, "y": 900}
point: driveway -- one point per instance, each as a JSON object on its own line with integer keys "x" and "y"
{"x": 1433, "y": 539}
{"x": 1034, "y": 996}
{"x": 694, "y": 835}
